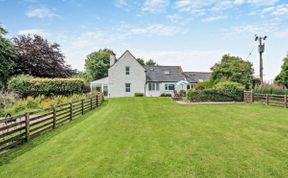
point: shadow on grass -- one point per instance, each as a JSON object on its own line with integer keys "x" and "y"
{"x": 21, "y": 149}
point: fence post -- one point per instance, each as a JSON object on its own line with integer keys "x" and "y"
{"x": 285, "y": 101}
{"x": 267, "y": 99}
{"x": 90, "y": 104}
{"x": 54, "y": 117}
{"x": 97, "y": 101}
{"x": 252, "y": 96}
{"x": 71, "y": 111}
{"x": 82, "y": 106}
{"x": 27, "y": 126}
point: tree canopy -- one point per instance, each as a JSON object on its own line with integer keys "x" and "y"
{"x": 35, "y": 56}
{"x": 7, "y": 55}
{"x": 141, "y": 61}
{"x": 234, "y": 69}
{"x": 151, "y": 62}
{"x": 282, "y": 78}
{"x": 97, "y": 64}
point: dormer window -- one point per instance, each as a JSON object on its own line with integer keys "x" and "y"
{"x": 127, "y": 70}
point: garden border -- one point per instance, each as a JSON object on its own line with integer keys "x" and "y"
{"x": 22, "y": 128}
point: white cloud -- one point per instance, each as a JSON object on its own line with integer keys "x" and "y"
{"x": 154, "y": 5}
{"x": 77, "y": 46}
{"x": 40, "y": 32}
{"x": 280, "y": 10}
{"x": 194, "y": 6}
{"x": 259, "y": 2}
{"x": 174, "y": 17}
{"x": 41, "y": 13}
{"x": 121, "y": 3}
{"x": 213, "y": 18}
{"x": 254, "y": 29}
{"x": 156, "y": 29}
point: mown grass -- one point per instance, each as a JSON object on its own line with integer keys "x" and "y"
{"x": 155, "y": 137}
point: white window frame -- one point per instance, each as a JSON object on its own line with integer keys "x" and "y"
{"x": 153, "y": 86}
{"x": 128, "y": 87}
{"x": 166, "y": 86}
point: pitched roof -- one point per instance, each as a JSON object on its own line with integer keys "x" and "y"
{"x": 197, "y": 76}
{"x": 164, "y": 73}
{"x": 127, "y": 52}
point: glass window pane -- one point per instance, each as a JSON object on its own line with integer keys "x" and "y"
{"x": 127, "y": 87}
{"x": 127, "y": 69}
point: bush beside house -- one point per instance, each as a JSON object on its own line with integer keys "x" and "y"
{"x": 223, "y": 91}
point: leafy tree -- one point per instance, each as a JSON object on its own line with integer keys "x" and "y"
{"x": 151, "y": 62}
{"x": 141, "y": 61}
{"x": 84, "y": 76}
{"x": 97, "y": 64}
{"x": 233, "y": 69}
{"x": 7, "y": 55}
{"x": 282, "y": 78}
{"x": 35, "y": 56}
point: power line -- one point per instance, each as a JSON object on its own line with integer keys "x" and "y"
{"x": 250, "y": 53}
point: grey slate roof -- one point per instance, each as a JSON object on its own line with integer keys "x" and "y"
{"x": 194, "y": 77}
{"x": 164, "y": 73}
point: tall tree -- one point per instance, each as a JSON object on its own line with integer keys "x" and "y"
{"x": 7, "y": 55}
{"x": 233, "y": 69}
{"x": 35, "y": 56}
{"x": 282, "y": 78}
{"x": 151, "y": 62}
{"x": 97, "y": 64}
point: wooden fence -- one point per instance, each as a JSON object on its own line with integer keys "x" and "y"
{"x": 22, "y": 128}
{"x": 268, "y": 99}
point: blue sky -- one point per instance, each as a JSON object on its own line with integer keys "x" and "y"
{"x": 191, "y": 33}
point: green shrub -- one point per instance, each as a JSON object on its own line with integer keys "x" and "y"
{"x": 7, "y": 99}
{"x": 166, "y": 95}
{"x": 28, "y": 86}
{"x": 228, "y": 85}
{"x": 215, "y": 95}
{"x": 206, "y": 84}
{"x": 138, "y": 94}
{"x": 28, "y": 104}
{"x": 271, "y": 89}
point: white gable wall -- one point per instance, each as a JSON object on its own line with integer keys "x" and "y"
{"x": 118, "y": 78}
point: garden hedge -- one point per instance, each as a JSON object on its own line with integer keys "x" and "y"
{"x": 215, "y": 95}
{"x": 28, "y": 86}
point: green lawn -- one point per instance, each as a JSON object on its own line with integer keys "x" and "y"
{"x": 154, "y": 137}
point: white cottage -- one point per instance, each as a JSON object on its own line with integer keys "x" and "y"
{"x": 126, "y": 76}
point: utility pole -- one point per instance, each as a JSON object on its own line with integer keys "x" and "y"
{"x": 261, "y": 49}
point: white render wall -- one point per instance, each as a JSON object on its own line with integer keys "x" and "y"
{"x": 118, "y": 78}
{"x": 162, "y": 89}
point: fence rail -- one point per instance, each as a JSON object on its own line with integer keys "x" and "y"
{"x": 22, "y": 128}
{"x": 268, "y": 99}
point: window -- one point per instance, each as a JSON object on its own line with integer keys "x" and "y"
{"x": 169, "y": 87}
{"x": 153, "y": 86}
{"x": 127, "y": 70}
{"x": 127, "y": 87}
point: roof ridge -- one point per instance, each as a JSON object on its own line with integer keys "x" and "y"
{"x": 160, "y": 66}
